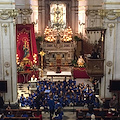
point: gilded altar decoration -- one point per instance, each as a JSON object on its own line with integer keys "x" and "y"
{"x": 57, "y": 29}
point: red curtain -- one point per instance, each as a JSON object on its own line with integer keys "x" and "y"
{"x": 26, "y": 42}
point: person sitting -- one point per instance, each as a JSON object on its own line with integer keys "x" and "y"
{"x": 33, "y": 78}
{"x": 113, "y": 102}
{"x": 9, "y": 114}
{"x": 24, "y": 114}
{"x": 38, "y": 114}
{"x": 92, "y": 117}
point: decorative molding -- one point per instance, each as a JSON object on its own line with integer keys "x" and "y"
{"x": 110, "y": 14}
{"x": 91, "y": 12}
{"x": 111, "y": 3}
{"x": 109, "y": 63}
{"x": 7, "y": 64}
{"x": 25, "y": 11}
{"x": 6, "y": 14}
{"x": 5, "y": 28}
{"x": 12, "y": 3}
{"x": 111, "y": 26}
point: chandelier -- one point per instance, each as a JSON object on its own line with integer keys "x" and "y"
{"x": 57, "y": 28}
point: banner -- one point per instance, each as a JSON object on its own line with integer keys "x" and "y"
{"x": 26, "y": 42}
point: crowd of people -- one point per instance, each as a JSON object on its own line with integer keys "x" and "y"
{"x": 61, "y": 93}
{"x": 54, "y": 96}
{"x": 66, "y": 92}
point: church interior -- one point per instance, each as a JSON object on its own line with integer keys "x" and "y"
{"x": 64, "y": 50}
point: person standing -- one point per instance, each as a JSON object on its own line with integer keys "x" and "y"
{"x": 51, "y": 104}
{"x": 1, "y": 102}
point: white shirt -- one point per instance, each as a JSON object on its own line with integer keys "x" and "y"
{"x": 35, "y": 79}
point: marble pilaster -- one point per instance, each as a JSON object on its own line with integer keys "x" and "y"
{"x": 8, "y": 51}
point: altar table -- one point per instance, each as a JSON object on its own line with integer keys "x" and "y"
{"x": 62, "y": 74}
{"x": 79, "y": 73}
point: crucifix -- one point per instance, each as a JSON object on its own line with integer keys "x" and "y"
{"x": 42, "y": 54}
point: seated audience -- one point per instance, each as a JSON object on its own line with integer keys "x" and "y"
{"x": 92, "y": 117}
{"x": 24, "y": 114}
{"x": 38, "y": 114}
{"x": 1, "y": 115}
{"x": 113, "y": 102}
{"x": 101, "y": 113}
{"x": 9, "y": 114}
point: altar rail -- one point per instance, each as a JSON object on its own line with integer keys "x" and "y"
{"x": 95, "y": 67}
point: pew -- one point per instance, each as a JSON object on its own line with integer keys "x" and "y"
{"x": 21, "y": 118}
{"x": 19, "y": 112}
{"x": 96, "y": 111}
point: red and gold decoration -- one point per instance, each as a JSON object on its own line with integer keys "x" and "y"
{"x": 26, "y": 43}
{"x": 34, "y": 58}
{"x": 17, "y": 59}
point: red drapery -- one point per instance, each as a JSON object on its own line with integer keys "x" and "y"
{"x": 26, "y": 42}
{"x": 80, "y": 73}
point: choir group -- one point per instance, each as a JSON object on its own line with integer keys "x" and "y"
{"x": 66, "y": 92}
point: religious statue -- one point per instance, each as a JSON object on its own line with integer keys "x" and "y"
{"x": 26, "y": 49}
{"x": 81, "y": 62}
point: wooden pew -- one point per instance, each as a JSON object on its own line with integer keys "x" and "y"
{"x": 96, "y": 111}
{"x": 19, "y": 112}
{"x": 98, "y": 118}
{"x": 21, "y": 118}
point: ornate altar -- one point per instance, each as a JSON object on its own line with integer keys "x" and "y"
{"x": 58, "y": 56}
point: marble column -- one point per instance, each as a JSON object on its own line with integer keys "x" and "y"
{"x": 8, "y": 70}
{"x": 112, "y": 46}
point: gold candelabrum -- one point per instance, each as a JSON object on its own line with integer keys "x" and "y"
{"x": 42, "y": 54}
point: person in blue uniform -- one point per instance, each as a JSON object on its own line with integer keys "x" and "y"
{"x": 51, "y": 104}
{"x": 23, "y": 102}
{"x": 27, "y": 101}
{"x": 9, "y": 114}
